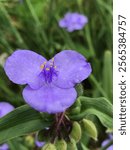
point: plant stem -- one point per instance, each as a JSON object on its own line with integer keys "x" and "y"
{"x": 93, "y": 79}
{"x": 89, "y": 41}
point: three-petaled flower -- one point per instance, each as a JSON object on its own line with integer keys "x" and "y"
{"x": 73, "y": 21}
{"x": 50, "y": 84}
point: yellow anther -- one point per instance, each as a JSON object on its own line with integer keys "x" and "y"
{"x": 55, "y": 67}
{"x": 47, "y": 69}
{"x": 53, "y": 59}
{"x": 42, "y": 65}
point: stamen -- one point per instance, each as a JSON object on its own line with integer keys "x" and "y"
{"x": 47, "y": 69}
{"x": 53, "y": 59}
{"x": 42, "y": 65}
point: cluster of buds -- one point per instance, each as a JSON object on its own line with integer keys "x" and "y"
{"x": 65, "y": 141}
{"x": 64, "y": 134}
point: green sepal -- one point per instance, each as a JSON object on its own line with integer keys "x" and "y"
{"x": 71, "y": 145}
{"x": 49, "y": 146}
{"x": 61, "y": 145}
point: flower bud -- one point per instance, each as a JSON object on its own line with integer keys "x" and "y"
{"x": 29, "y": 141}
{"x": 75, "y": 108}
{"x": 71, "y": 145}
{"x": 61, "y": 145}
{"x": 76, "y": 131}
{"x": 90, "y": 128}
{"x": 76, "y": 104}
{"x": 49, "y": 146}
{"x": 79, "y": 89}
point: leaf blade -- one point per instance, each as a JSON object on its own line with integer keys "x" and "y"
{"x": 21, "y": 121}
{"x": 100, "y": 107}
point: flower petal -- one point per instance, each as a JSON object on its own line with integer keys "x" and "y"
{"x": 4, "y": 147}
{"x": 62, "y": 23}
{"x": 72, "y": 68}
{"x": 23, "y": 67}
{"x": 49, "y": 98}
{"x": 105, "y": 143}
{"x": 5, "y": 108}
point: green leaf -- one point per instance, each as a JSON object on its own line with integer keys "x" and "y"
{"x": 15, "y": 144}
{"x": 107, "y": 74}
{"x": 99, "y": 107}
{"x": 23, "y": 120}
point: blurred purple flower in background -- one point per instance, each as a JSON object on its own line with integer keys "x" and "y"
{"x": 39, "y": 144}
{"x": 4, "y": 147}
{"x": 73, "y": 21}
{"x": 5, "y": 108}
{"x": 107, "y": 141}
{"x": 50, "y": 83}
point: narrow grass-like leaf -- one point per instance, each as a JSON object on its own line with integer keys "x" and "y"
{"x": 100, "y": 107}
{"x": 21, "y": 121}
{"x": 15, "y": 144}
{"x": 107, "y": 74}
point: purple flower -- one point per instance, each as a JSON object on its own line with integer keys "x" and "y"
{"x": 50, "y": 83}
{"x": 107, "y": 141}
{"x": 39, "y": 144}
{"x": 5, "y": 108}
{"x": 4, "y": 147}
{"x": 73, "y": 21}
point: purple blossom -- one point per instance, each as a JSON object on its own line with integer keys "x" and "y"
{"x": 73, "y": 21}
{"x": 50, "y": 84}
{"x": 5, "y": 108}
{"x": 4, "y": 147}
{"x": 39, "y": 144}
{"x": 107, "y": 141}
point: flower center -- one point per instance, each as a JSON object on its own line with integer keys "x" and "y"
{"x": 49, "y": 71}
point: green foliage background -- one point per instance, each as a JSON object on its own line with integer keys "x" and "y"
{"x": 33, "y": 25}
